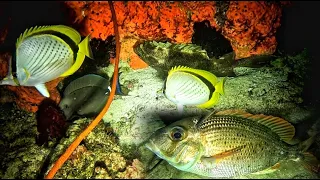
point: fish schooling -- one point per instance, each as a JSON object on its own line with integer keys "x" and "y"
{"x": 230, "y": 143}
{"x": 45, "y": 53}
{"x": 188, "y": 86}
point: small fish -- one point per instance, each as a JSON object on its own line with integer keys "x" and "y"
{"x": 229, "y": 143}
{"x": 86, "y": 95}
{"x": 188, "y": 86}
{"x": 45, "y": 53}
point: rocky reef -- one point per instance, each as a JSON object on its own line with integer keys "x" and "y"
{"x": 99, "y": 156}
{"x": 155, "y": 36}
{"x": 249, "y": 26}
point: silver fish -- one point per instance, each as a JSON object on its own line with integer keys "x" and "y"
{"x": 86, "y": 95}
{"x": 45, "y": 53}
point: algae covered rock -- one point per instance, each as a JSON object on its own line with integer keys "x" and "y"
{"x": 275, "y": 89}
{"x": 259, "y": 84}
{"x": 98, "y": 156}
{"x": 261, "y": 90}
{"x": 20, "y": 157}
{"x": 162, "y": 56}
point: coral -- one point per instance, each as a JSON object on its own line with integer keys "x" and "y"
{"x": 249, "y": 26}
{"x": 99, "y": 156}
{"x": 127, "y": 54}
{"x": 133, "y": 171}
{"x": 28, "y": 98}
{"x": 20, "y": 157}
{"x": 51, "y": 122}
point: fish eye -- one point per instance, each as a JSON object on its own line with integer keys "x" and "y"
{"x": 177, "y": 133}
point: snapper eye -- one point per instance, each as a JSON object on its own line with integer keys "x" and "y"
{"x": 177, "y": 133}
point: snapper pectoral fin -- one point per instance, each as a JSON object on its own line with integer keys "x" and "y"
{"x": 220, "y": 156}
{"x": 268, "y": 170}
{"x": 43, "y": 89}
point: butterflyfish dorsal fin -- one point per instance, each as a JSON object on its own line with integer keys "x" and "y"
{"x": 29, "y": 32}
{"x": 283, "y": 128}
{"x": 68, "y": 31}
{"x": 206, "y": 74}
{"x": 73, "y": 34}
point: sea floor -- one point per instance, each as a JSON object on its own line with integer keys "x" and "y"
{"x": 113, "y": 149}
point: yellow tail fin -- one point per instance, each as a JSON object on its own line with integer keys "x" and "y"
{"x": 84, "y": 47}
{"x": 84, "y": 50}
{"x": 220, "y": 86}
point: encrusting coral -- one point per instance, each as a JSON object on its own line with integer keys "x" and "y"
{"x": 249, "y": 26}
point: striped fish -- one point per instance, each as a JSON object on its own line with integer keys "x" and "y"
{"x": 230, "y": 143}
{"x": 187, "y": 86}
{"x": 45, "y": 53}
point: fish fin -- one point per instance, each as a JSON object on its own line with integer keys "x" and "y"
{"x": 9, "y": 79}
{"x": 276, "y": 166}
{"x": 304, "y": 146}
{"x": 310, "y": 162}
{"x": 85, "y": 48}
{"x": 206, "y": 74}
{"x": 85, "y": 81}
{"x": 220, "y": 156}
{"x": 268, "y": 170}
{"x": 75, "y": 66}
{"x": 293, "y": 141}
{"x": 27, "y": 73}
{"x": 283, "y": 128}
{"x": 70, "y": 32}
{"x": 28, "y": 32}
{"x": 205, "y": 117}
{"x": 43, "y": 89}
{"x": 213, "y": 100}
{"x": 219, "y": 86}
{"x": 180, "y": 108}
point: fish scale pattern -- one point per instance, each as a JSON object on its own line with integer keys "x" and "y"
{"x": 183, "y": 88}
{"x": 45, "y": 57}
{"x": 245, "y": 144}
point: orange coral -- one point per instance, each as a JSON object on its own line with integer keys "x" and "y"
{"x": 250, "y": 25}
{"x": 28, "y": 98}
{"x": 128, "y": 55}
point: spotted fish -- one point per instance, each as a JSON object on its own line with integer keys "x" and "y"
{"x": 229, "y": 143}
{"x": 45, "y": 53}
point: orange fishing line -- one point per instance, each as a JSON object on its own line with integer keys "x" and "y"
{"x": 64, "y": 157}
